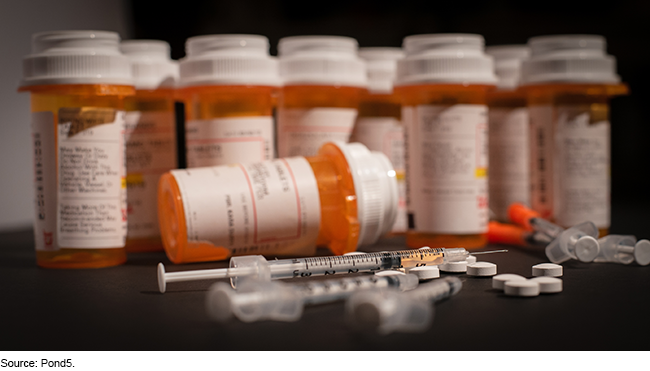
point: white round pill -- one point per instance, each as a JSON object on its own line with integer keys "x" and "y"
{"x": 521, "y": 288}
{"x": 471, "y": 259}
{"x": 547, "y": 269}
{"x": 355, "y": 253}
{"x": 482, "y": 269}
{"x": 389, "y": 273}
{"x": 500, "y": 279}
{"x": 454, "y": 267}
{"x": 427, "y": 272}
{"x": 424, "y": 248}
{"x": 548, "y": 285}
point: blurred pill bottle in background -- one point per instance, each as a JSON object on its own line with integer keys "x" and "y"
{"x": 322, "y": 79}
{"x": 228, "y": 84}
{"x": 78, "y": 81}
{"x": 150, "y": 138}
{"x": 341, "y": 198}
{"x": 569, "y": 80}
{"x": 509, "y": 180}
{"x": 442, "y": 82}
{"x": 378, "y": 124}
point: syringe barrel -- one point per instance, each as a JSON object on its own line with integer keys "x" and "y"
{"x": 437, "y": 290}
{"x": 319, "y": 292}
{"x": 455, "y": 254}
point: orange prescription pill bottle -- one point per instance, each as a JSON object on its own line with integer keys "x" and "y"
{"x": 322, "y": 79}
{"x": 509, "y": 180}
{"x": 569, "y": 80}
{"x": 150, "y": 138}
{"x": 228, "y": 84}
{"x": 344, "y": 197}
{"x": 443, "y": 81}
{"x": 378, "y": 124}
{"x": 78, "y": 81}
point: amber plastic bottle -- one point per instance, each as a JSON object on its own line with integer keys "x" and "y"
{"x": 344, "y": 197}
{"x": 78, "y": 81}
{"x": 509, "y": 179}
{"x": 378, "y": 124}
{"x": 229, "y": 85}
{"x": 318, "y": 103}
{"x": 443, "y": 82}
{"x": 150, "y": 138}
{"x": 569, "y": 81}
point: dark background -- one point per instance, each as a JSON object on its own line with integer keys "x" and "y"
{"x": 603, "y": 306}
{"x": 386, "y": 23}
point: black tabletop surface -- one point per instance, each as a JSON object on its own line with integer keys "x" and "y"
{"x": 602, "y": 307}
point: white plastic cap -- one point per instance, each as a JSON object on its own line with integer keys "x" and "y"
{"x": 642, "y": 252}
{"x": 445, "y": 58}
{"x": 569, "y": 59}
{"x": 381, "y": 66}
{"x": 76, "y": 57}
{"x": 375, "y": 185}
{"x": 507, "y": 64}
{"x": 151, "y": 66}
{"x": 228, "y": 60}
{"x": 321, "y": 60}
{"x": 578, "y": 242}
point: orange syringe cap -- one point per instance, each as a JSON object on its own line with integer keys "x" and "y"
{"x": 521, "y": 215}
{"x": 508, "y": 234}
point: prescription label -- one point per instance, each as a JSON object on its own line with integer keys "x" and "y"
{"x": 268, "y": 207}
{"x": 509, "y": 152}
{"x": 44, "y": 147}
{"x": 542, "y": 145}
{"x": 446, "y": 167}
{"x": 150, "y": 152}
{"x": 224, "y": 141}
{"x": 80, "y": 178}
{"x": 386, "y": 135}
{"x": 583, "y": 167}
{"x": 301, "y": 132}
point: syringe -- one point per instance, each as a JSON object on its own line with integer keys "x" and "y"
{"x": 385, "y": 311}
{"x": 531, "y": 220}
{"x": 257, "y": 266}
{"x": 510, "y": 234}
{"x": 274, "y": 300}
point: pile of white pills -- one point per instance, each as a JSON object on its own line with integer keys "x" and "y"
{"x": 544, "y": 281}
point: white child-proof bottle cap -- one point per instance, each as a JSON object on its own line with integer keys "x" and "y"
{"x": 228, "y": 60}
{"x": 569, "y": 59}
{"x": 445, "y": 59}
{"x": 375, "y": 185}
{"x": 321, "y": 60}
{"x": 507, "y": 64}
{"x": 76, "y": 57}
{"x": 151, "y": 65}
{"x": 381, "y": 66}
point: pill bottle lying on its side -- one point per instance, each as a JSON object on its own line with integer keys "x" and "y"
{"x": 442, "y": 83}
{"x": 150, "y": 138}
{"x": 322, "y": 78}
{"x": 78, "y": 81}
{"x": 228, "y": 84}
{"x": 569, "y": 81}
{"x": 344, "y": 197}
